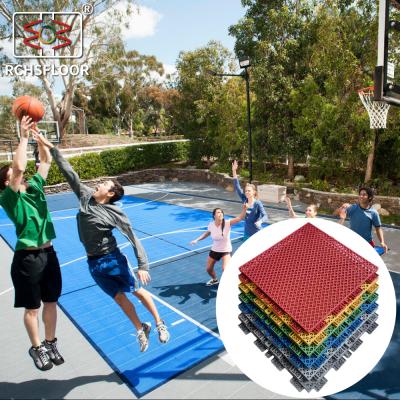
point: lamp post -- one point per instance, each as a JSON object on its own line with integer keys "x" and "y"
{"x": 244, "y": 63}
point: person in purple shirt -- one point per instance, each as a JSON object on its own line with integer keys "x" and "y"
{"x": 363, "y": 217}
{"x": 255, "y": 214}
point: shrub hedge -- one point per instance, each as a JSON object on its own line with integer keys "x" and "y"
{"x": 114, "y": 162}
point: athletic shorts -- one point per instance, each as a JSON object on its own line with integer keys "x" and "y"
{"x": 112, "y": 273}
{"x": 36, "y": 276}
{"x": 216, "y": 255}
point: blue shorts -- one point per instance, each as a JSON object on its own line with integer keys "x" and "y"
{"x": 112, "y": 273}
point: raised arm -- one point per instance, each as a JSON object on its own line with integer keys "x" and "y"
{"x": 292, "y": 214}
{"x": 234, "y": 168}
{"x": 236, "y": 183}
{"x": 44, "y": 156}
{"x": 65, "y": 167}
{"x": 239, "y": 217}
{"x": 341, "y": 212}
{"x": 201, "y": 237}
{"x": 20, "y": 158}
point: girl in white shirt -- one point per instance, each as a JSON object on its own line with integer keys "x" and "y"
{"x": 220, "y": 231}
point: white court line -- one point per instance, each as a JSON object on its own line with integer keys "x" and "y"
{"x": 75, "y": 208}
{"x": 146, "y": 202}
{"x": 6, "y": 291}
{"x": 178, "y": 322}
{"x": 126, "y": 244}
{"x": 193, "y": 321}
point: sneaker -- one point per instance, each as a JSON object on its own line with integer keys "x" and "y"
{"x": 212, "y": 282}
{"x": 163, "y": 334}
{"x": 143, "y": 336}
{"x": 40, "y": 358}
{"x": 55, "y": 356}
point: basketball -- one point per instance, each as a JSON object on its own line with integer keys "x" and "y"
{"x": 28, "y": 105}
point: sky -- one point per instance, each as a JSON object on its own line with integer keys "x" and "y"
{"x": 164, "y": 28}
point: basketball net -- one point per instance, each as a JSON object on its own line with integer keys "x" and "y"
{"x": 377, "y": 110}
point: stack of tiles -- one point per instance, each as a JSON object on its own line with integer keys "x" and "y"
{"x": 307, "y": 300}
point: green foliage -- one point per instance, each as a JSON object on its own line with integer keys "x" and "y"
{"x": 211, "y": 110}
{"x": 308, "y": 60}
{"x": 320, "y": 185}
{"x": 114, "y": 162}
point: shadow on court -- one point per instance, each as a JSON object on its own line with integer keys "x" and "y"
{"x": 383, "y": 382}
{"x": 185, "y": 291}
{"x": 54, "y": 388}
{"x": 170, "y": 363}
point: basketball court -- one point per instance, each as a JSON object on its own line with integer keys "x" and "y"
{"x": 97, "y": 340}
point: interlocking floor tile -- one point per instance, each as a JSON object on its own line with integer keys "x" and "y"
{"x": 309, "y": 378}
{"x": 309, "y": 275}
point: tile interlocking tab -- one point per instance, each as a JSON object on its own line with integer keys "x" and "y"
{"x": 313, "y": 377}
{"x": 292, "y": 341}
{"x": 293, "y": 353}
{"x": 309, "y": 282}
{"x": 288, "y": 325}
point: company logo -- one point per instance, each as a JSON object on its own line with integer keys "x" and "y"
{"x": 47, "y": 35}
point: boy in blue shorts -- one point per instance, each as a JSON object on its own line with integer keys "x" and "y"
{"x": 97, "y": 217}
{"x": 363, "y": 217}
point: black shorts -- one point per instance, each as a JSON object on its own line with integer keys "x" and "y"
{"x": 36, "y": 276}
{"x": 216, "y": 255}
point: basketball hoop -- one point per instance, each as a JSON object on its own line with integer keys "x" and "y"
{"x": 377, "y": 110}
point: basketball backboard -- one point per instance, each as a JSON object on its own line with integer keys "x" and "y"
{"x": 387, "y": 71}
{"x": 49, "y": 129}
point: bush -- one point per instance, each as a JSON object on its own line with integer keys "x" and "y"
{"x": 114, "y": 162}
{"x": 321, "y": 185}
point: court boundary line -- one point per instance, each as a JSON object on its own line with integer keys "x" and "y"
{"x": 333, "y": 217}
{"x": 396, "y": 227}
{"x": 153, "y": 266}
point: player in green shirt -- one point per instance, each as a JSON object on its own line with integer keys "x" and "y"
{"x": 35, "y": 270}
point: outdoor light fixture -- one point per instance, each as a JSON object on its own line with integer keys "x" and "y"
{"x": 244, "y": 62}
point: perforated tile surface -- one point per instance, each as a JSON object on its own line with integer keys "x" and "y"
{"x": 309, "y": 275}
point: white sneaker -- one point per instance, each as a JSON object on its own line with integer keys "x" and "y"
{"x": 212, "y": 282}
{"x": 163, "y": 334}
{"x": 143, "y": 336}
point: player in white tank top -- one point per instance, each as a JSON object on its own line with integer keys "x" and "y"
{"x": 220, "y": 231}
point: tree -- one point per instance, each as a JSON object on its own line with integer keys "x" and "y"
{"x": 97, "y": 33}
{"x": 203, "y": 112}
{"x": 130, "y": 73}
{"x": 7, "y": 121}
{"x": 277, "y": 36}
{"x": 309, "y": 59}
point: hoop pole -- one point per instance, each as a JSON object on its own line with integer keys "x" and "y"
{"x": 381, "y": 32}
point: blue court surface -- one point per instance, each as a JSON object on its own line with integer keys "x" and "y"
{"x": 178, "y": 288}
{"x": 383, "y": 382}
{"x": 184, "y": 302}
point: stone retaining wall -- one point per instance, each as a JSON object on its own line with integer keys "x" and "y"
{"x": 157, "y": 175}
{"x": 331, "y": 201}
{"x": 326, "y": 200}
